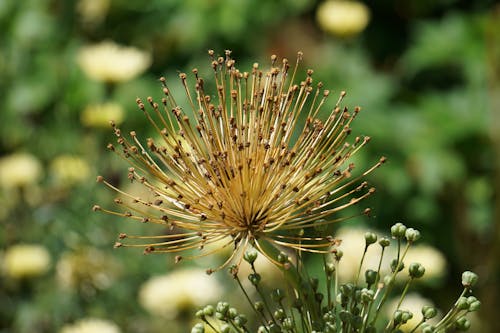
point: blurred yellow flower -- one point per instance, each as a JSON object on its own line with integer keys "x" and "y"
{"x": 24, "y": 260}
{"x": 69, "y": 169}
{"x": 110, "y": 62}
{"x": 93, "y": 11}
{"x": 343, "y": 18}
{"x": 87, "y": 268}
{"x": 91, "y": 325}
{"x": 99, "y": 115}
{"x": 413, "y": 302}
{"x": 166, "y": 295}
{"x": 19, "y": 169}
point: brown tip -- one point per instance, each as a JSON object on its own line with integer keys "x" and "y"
{"x": 95, "y": 208}
{"x": 122, "y": 235}
{"x": 178, "y": 259}
{"x": 99, "y": 179}
{"x": 148, "y": 249}
{"x": 209, "y": 271}
{"x": 117, "y": 245}
{"x": 367, "y": 211}
{"x": 383, "y": 159}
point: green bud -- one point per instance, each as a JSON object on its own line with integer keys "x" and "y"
{"x": 240, "y": 320}
{"x": 474, "y": 306}
{"x": 397, "y": 316}
{"x": 279, "y": 314}
{"x": 469, "y": 279}
{"x": 198, "y": 328}
{"x": 288, "y": 323}
{"x": 412, "y": 235}
{"x": 250, "y": 256}
{"x": 370, "y": 238}
{"x": 398, "y": 230}
{"x": 347, "y": 289}
{"x": 225, "y": 328}
{"x": 462, "y": 324}
{"x": 394, "y": 265}
{"x": 462, "y": 303}
{"x": 345, "y": 316}
{"x": 259, "y": 306}
{"x": 416, "y": 270}
{"x": 262, "y": 329}
{"x": 426, "y": 328}
{"x": 232, "y": 313}
{"x": 428, "y": 312}
{"x": 338, "y": 254}
{"x": 330, "y": 268}
{"x": 199, "y": 314}
{"x": 254, "y": 278}
{"x": 277, "y": 295}
{"x": 222, "y": 307}
{"x": 384, "y": 242}
{"x": 367, "y": 295}
{"x": 283, "y": 258}
{"x": 370, "y": 276}
{"x": 208, "y": 310}
{"x": 407, "y": 315}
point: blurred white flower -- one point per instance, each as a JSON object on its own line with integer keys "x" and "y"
{"x": 166, "y": 295}
{"x": 343, "y": 18}
{"x": 110, "y": 62}
{"x": 429, "y": 257}
{"x": 26, "y": 260}
{"x": 19, "y": 169}
{"x": 91, "y": 325}
{"x": 69, "y": 169}
{"x": 413, "y": 302}
{"x": 99, "y": 115}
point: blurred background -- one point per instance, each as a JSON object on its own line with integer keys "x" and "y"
{"x": 425, "y": 72}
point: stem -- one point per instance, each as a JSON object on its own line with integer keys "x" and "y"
{"x": 361, "y": 265}
{"x": 259, "y": 315}
{"x": 453, "y": 311}
{"x": 403, "y": 294}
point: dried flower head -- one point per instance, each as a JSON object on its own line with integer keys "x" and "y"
{"x": 252, "y": 164}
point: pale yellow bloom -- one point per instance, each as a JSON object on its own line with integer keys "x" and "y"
{"x": 24, "y": 260}
{"x": 99, "y": 115}
{"x": 91, "y": 325}
{"x": 19, "y": 169}
{"x": 110, "y": 62}
{"x": 343, "y": 18}
{"x": 166, "y": 295}
{"x": 69, "y": 169}
{"x": 88, "y": 267}
{"x": 93, "y": 11}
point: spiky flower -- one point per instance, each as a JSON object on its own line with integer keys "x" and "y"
{"x": 256, "y": 162}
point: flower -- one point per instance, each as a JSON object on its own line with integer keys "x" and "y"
{"x": 166, "y": 295}
{"x": 414, "y": 303}
{"x": 91, "y": 325}
{"x": 26, "y": 260}
{"x": 258, "y": 164}
{"x": 86, "y": 269}
{"x": 99, "y": 115}
{"x": 69, "y": 169}
{"x": 110, "y": 62}
{"x": 19, "y": 169}
{"x": 343, "y": 18}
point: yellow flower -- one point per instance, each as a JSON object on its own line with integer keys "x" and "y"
{"x": 93, "y": 11}
{"x": 166, "y": 295}
{"x": 91, "y": 325}
{"x": 69, "y": 169}
{"x": 19, "y": 169}
{"x": 260, "y": 163}
{"x": 25, "y": 260}
{"x": 343, "y": 18}
{"x": 99, "y": 115}
{"x": 110, "y": 62}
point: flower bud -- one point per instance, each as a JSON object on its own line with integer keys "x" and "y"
{"x": 428, "y": 312}
{"x": 428, "y": 328}
{"x": 208, "y": 310}
{"x": 222, "y": 307}
{"x": 225, "y": 328}
{"x": 469, "y": 279}
{"x": 254, "y": 278}
{"x": 199, "y": 314}
{"x": 384, "y": 242}
{"x": 398, "y": 230}
{"x": 232, "y": 313}
{"x": 416, "y": 270}
{"x": 370, "y": 276}
{"x": 412, "y": 235}
{"x": 250, "y": 256}
{"x": 288, "y": 324}
{"x": 283, "y": 258}
{"x": 240, "y": 320}
{"x": 397, "y": 265}
{"x": 370, "y": 238}
{"x": 258, "y": 306}
{"x": 462, "y": 303}
{"x": 330, "y": 268}
{"x": 198, "y": 328}
{"x": 338, "y": 254}
{"x": 279, "y": 314}
{"x": 277, "y": 295}
{"x": 462, "y": 324}
{"x": 367, "y": 295}
{"x": 474, "y": 306}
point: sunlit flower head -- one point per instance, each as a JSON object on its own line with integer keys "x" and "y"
{"x": 69, "y": 169}
{"x": 91, "y": 325}
{"x": 99, "y": 115}
{"x": 26, "y": 260}
{"x": 110, "y": 62}
{"x": 343, "y": 18}
{"x": 262, "y": 160}
{"x": 19, "y": 169}
{"x": 167, "y": 295}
